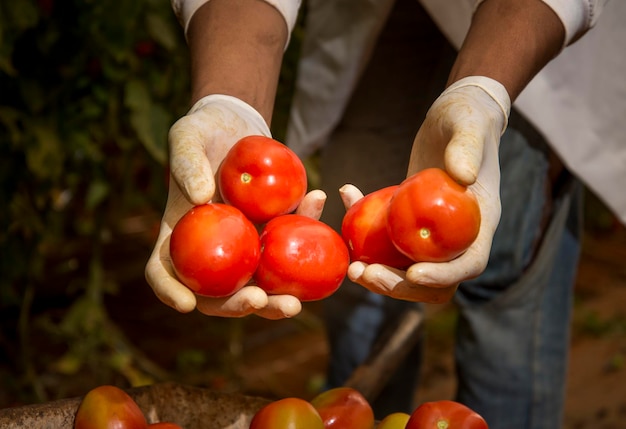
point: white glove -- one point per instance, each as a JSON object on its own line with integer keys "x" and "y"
{"x": 199, "y": 142}
{"x": 461, "y": 134}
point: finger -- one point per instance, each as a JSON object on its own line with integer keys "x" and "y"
{"x": 349, "y": 194}
{"x": 312, "y": 204}
{"x": 190, "y": 166}
{"x": 467, "y": 266}
{"x": 281, "y": 307}
{"x": 390, "y": 282}
{"x": 245, "y": 301}
{"x": 170, "y": 291}
{"x": 463, "y": 156}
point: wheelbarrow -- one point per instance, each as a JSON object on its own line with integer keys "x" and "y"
{"x": 200, "y": 408}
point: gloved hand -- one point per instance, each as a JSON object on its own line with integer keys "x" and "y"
{"x": 461, "y": 134}
{"x": 199, "y": 142}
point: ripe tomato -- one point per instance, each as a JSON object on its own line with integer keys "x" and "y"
{"x": 214, "y": 249}
{"x": 344, "y": 408}
{"x": 302, "y": 257}
{"x": 364, "y": 230}
{"x": 287, "y": 413}
{"x": 394, "y": 421}
{"x": 433, "y": 218}
{"x": 262, "y": 177}
{"x": 106, "y": 407}
{"x": 445, "y": 415}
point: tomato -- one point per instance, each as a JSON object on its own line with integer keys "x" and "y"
{"x": 344, "y": 408}
{"x": 433, "y": 218}
{"x": 109, "y": 407}
{"x": 394, "y": 421}
{"x": 262, "y": 177}
{"x": 302, "y": 257}
{"x": 445, "y": 415}
{"x": 214, "y": 249}
{"x": 287, "y": 413}
{"x": 364, "y": 230}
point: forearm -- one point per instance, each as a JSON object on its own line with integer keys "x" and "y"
{"x": 509, "y": 41}
{"x": 236, "y": 49}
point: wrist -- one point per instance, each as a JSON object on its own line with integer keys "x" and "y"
{"x": 494, "y": 89}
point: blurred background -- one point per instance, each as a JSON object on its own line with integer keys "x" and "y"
{"x": 88, "y": 91}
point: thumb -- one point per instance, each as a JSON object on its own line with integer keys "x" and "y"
{"x": 464, "y": 156}
{"x": 190, "y": 166}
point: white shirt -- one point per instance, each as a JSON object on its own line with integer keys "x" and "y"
{"x": 578, "y": 101}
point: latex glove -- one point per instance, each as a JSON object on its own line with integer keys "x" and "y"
{"x": 461, "y": 134}
{"x": 198, "y": 143}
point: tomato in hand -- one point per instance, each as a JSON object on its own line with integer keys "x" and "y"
{"x": 287, "y": 413}
{"x": 394, "y": 421}
{"x": 364, "y": 230}
{"x": 106, "y": 407}
{"x": 344, "y": 408}
{"x": 445, "y": 415}
{"x": 301, "y": 256}
{"x": 214, "y": 249}
{"x": 432, "y": 218}
{"x": 262, "y": 177}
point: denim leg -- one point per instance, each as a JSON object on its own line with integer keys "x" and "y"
{"x": 513, "y": 334}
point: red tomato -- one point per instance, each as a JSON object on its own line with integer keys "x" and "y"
{"x": 302, "y": 257}
{"x": 364, "y": 230}
{"x": 433, "y": 218}
{"x": 394, "y": 421}
{"x": 214, "y": 249}
{"x": 262, "y": 177}
{"x": 109, "y": 407}
{"x": 445, "y": 415}
{"x": 287, "y": 413}
{"x": 344, "y": 408}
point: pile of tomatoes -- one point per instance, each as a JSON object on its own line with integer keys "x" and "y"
{"x": 346, "y": 408}
{"x": 107, "y": 407}
{"x": 217, "y": 248}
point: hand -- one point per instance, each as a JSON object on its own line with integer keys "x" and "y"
{"x": 461, "y": 134}
{"x": 199, "y": 142}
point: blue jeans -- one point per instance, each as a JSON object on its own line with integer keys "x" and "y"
{"x": 512, "y": 337}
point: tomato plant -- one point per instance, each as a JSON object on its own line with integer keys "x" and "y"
{"x": 287, "y": 413}
{"x": 433, "y": 218}
{"x": 445, "y": 415}
{"x": 214, "y": 249}
{"x": 364, "y": 230}
{"x": 262, "y": 177}
{"x": 109, "y": 407}
{"x": 301, "y": 256}
{"x": 394, "y": 421}
{"x": 344, "y": 408}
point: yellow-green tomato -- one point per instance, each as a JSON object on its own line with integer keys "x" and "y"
{"x": 394, "y": 421}
{"x": 109, "y": 407}
{"x": 287, "y": 413}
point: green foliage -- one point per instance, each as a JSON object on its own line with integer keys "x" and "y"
{"x": 88, "y": 91}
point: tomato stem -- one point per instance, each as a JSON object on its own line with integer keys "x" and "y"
{"x": 442, "y": 424}
{"x": 246, "y": 177}
{"x": 424, "y": 233}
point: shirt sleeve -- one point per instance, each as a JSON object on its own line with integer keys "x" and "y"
{"x": 577, "y": 16}
{"x": 185, "y": 9}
